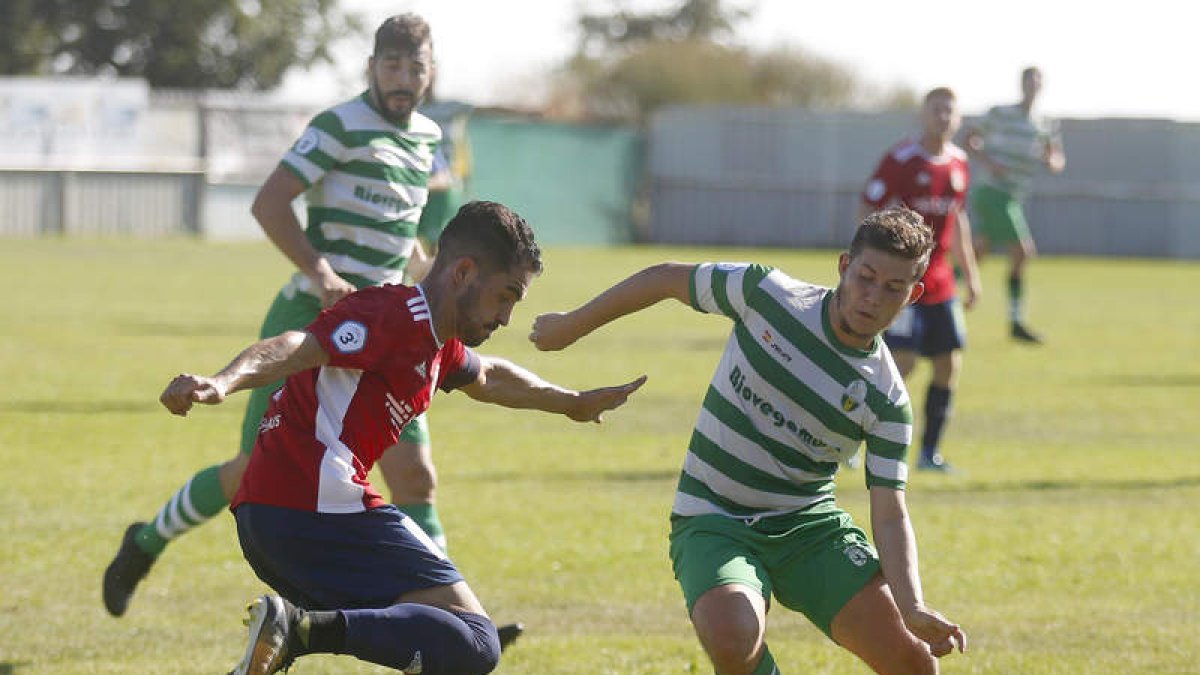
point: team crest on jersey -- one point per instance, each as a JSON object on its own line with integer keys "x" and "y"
{"x": 307, "y": 143}
{"x": 350, "y": 337}
{"x": 957, "y": 180}
{"x": 854, "y": 396}
{"x": 922, "y": 178}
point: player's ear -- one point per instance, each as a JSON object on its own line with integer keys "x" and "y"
{"x": 843, "y": 263}
{"x": 918, "y": 290}
{"x": 464, "y": 271}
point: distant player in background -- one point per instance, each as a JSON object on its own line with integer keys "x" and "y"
{"x": 803, "y": 382}
{"x": 930, "y": 175}
{"x": 364, "y": 166}
{"x": 353, "y": 574}
{"x": 1011, "y": 143}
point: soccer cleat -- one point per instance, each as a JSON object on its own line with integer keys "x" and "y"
{"x": 509, "y": 634}
{"x": 934, "y": 463}
{"x": 270, "y": 637}
{"x": 1022, "y": 334}
{"x": 125, "y": 571}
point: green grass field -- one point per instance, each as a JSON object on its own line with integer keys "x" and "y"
{"x": 1068, "y": 545}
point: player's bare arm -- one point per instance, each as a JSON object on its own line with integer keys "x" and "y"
{"x": 897, "y": 546}
{"x": 272, "y": 209}
{"x": 507, "y": 384}
{"x": 259, "y": 364}
{"x": 963, "y": 249}
{"x": 559, "y": 330}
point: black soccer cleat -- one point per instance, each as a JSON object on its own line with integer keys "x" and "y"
{"x": 509, "y": 634}
{"x": 270, "y": 648}
{"x": 1022, "y": 334}
{"x": 125, "y": 571}
{"x": 935, "y": 463}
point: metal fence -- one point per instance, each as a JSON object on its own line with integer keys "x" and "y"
{"x": 774, "y": 177}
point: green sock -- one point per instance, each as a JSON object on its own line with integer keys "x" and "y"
{"x": 425, "y": 515}
{"x": 198, "y": 500}
{"x": 1015, "y": 291}
{"x": 767, "y": 665}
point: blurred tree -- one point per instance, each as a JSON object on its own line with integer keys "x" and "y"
{"x": 225, "y": 44}
{"x": 627, "y": 65}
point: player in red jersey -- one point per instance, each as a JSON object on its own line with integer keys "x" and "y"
{"x": 353, "y": 574}
{"x": 930, "y": 175}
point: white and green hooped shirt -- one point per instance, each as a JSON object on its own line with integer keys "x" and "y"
{"x": 787, "y": 402}
{"x": 367, "y": 182}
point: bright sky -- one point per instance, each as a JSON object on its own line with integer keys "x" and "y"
{"x": 1120, "y": 59}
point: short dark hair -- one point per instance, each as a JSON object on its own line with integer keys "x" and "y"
{"x": 404, "y": 32}
{"x": 897, "y": 230}
{"x": 1030, "y": 72}
{"x": 940, "y": 91}
{"x": 491, "y": 234}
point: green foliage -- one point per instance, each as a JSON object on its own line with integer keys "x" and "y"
{"x": 1067, "y": 545}
{"x": 246, "y": 44}
{"x": 628, "y": 65}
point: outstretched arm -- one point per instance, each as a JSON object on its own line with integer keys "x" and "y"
{"x": 259, "y": 364}
{"x": 897, "y": 546}
{"x": 507, "y": 384}
{"x": 559, "y": 330}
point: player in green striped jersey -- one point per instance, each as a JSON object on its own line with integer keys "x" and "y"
{"x": 1012, "y": 143}
{"x": 803, "y": 381}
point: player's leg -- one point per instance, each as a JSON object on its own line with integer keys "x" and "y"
{"x": 411, "y": 477}
{"x": 870, "y": 626}
{"x": 371, "y": 585}
{"x": 209, "y": 490}
{"x": 1021, "y": 250}
{"x": 944, "y": 339}
{"x": 726, "y": 589}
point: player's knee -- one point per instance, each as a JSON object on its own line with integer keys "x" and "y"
{"x": 483, "y": 652}
{"x": 730, "y": 643}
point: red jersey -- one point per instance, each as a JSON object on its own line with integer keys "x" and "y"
{"x": 934, "y": 187}
{"x": 326, "y": 427}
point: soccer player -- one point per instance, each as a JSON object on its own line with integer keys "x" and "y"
{"x": 1011, "y": 142}
{"x": 929, "y": 174}
{"x": 364, "y": 166}
{"x": 353, "y": 574}
{"x": 804, "y": 379}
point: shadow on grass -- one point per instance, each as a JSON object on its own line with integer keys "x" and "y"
{"x": 8, "y": 667}
{"x": 77, "y": 408}
{"x": 1064, "y": 485}
{"x": 569, "y": 476}
{"x": 134, "y": 328}
{"x": 1148, "y": 380}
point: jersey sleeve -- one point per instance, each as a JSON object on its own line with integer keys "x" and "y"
{"x": 320, "y": 148}
{"x": 358, "y": 331}
{"x": 724, "y": 288}
{"x": 880, "y": 187}
{"x": 460, "y": 366}
{"x": 888, "y": 438}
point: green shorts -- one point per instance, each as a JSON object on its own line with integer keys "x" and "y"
{"x": 294, "y": 311}
{"x": 439, "y": 209}
{"x": 813, "y": 562}
{"x": 998, "y": 216}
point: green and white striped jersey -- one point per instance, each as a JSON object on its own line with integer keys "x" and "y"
{"x": 788, "y": 401}
{"x": 1016, "y": 141}
{"x": 367, "y": 182}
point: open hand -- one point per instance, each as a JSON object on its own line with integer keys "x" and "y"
{"x": 592, "y": 404}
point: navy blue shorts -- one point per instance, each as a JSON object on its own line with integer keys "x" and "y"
{"x": 340, "y": 560}
{"x": 929, "y": 330}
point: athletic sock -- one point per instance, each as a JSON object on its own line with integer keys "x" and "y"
{"x": 422, "y": 639}
{"x": 1015, "y": 299}
{"x": 198, "y": 500}
{"x": 766, "y": 666}
{"x": 426, "y": 516}
{"x": 322, "y": 632}
{"x": 937, "y": 411}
